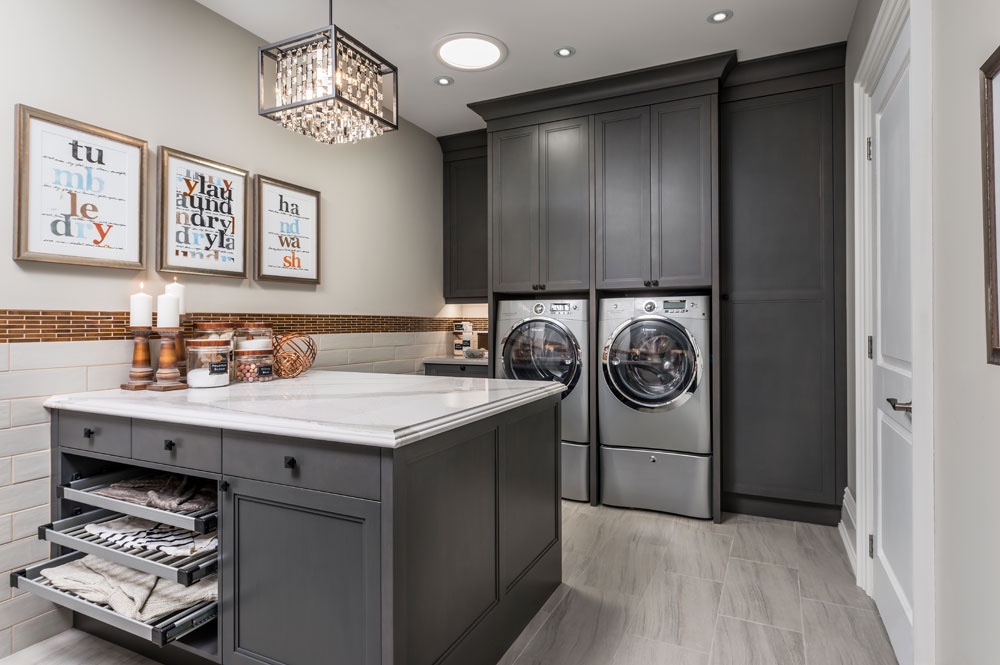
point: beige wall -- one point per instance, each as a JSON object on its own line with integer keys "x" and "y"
{"x": 176, "y": 74}
{"x": 966, "y": 389}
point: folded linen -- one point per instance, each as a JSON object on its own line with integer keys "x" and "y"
{"x": 166, "y": 491}
{"x": 136, "y": 533}
{"x": 131, "y": 593}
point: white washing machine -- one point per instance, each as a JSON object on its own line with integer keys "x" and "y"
{"x": 654, "y": 404}
{"x": 546, "y": 340}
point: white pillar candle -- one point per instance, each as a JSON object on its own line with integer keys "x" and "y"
{"x": 177, "y": 290}
{"x": 167, "y": 311}
{"x": 140, "y": 313}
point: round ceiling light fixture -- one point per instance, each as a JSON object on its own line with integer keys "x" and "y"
{"x": 444, "y": 80}
{"x": 565, "y": 51}
{"x": 720, "y": 16}
{"x": 470, "y": 51}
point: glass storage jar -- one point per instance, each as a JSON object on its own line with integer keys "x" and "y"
{"x": 208, "y": 363}
{"x": 255, "y": 335}
{"x": 254, "y": 366}
{"x": 213, "y": 330}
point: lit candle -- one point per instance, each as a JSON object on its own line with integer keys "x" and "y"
{"x": 140, "y": 309}
{"x": 167, "y": 311}
{"x": 177, "y": 290}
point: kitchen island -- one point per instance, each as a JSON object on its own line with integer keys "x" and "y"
{"x": 363, "y": 519}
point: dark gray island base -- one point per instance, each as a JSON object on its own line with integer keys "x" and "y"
{"x": 439, "y": 551}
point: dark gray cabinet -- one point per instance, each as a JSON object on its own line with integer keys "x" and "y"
{"x": 479, "y": 370}
{"x": 541, "y": 207}
{"x": 465, "y": 229}
{"x": 300, "y": 574}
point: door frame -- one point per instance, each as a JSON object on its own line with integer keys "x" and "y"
{"x": 893, "y": 16}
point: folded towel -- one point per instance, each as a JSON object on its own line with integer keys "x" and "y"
{"x": 166, "y": 491}
{"x": 136, "y": 533}
{"x": 130, "y": 593}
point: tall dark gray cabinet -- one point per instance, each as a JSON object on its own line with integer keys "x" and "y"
{"x": 465, "y": 217}
{"x": 782, "y": 262}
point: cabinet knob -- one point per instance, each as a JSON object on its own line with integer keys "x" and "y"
{"x": 534, "y": 287}
{"x": 656, "y": 282}
{"x": 646, "y": 283}
{"x": 290, "y": 462}
{"x": 461, "y": 368}
{"x": 88, "y": 433}
{"x": 541, "y": 287}
{"x": 169, "y": 445}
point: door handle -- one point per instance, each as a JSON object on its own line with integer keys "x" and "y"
{"x": 906, "y": 407}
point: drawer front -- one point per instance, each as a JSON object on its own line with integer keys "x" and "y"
{"x": 180, "y": 445}
{"x": 101, "y": 434}
{"x": 432, "y": 369}
{"x": 318, "y": 465}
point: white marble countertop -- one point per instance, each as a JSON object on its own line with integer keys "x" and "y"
{"x": 385, "y": 410}
{"x": 452, "y": 360}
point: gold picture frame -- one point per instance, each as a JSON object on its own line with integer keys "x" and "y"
{"x": 205, "y": 243}
{"x": 261, "y": 249}
{"x": 989, "y": 84}
{"x": 125, "y": 197}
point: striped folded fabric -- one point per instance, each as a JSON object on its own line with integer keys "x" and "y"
{"x": 136, "y": 533}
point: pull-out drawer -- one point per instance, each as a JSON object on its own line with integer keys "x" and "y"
{"x": 72, "y": 533}
{"x": 101, "y": 434}
{"x": 444, "y": 369}
{"x": 318, "y": 465}
{"x": 160, "y": 631}
{"x": 179, "y": 445}
{"x": 82, "y": 491}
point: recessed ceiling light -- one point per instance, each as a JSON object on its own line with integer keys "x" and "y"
{"x": 470, "y": 51}
{"x": 565, "y": 51}
{"x": 720, "y": 16}
{"x": 444, "y": 80}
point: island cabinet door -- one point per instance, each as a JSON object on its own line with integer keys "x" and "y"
{"x": 300, "y": 576}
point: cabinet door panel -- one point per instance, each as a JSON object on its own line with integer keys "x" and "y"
{"x": 465, "y": 247}
{"x": 621, "y": 154}
{"x": 564, "y": 213}
{"x": 300, "y": 569}
{"x": 515, "y": 209}
{"x": 681, "y": 192}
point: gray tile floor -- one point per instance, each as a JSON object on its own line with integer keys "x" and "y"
{"x": 649, "y": 589}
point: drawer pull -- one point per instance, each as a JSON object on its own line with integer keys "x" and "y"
{"x": 290, "y": 462}
{"x": 168, "y": 444}
{"x": 461, "y": 368}
{"x": 88, "y": 433}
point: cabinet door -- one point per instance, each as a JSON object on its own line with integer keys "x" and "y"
{"x": 515, "y": 209}
{"x": 465, "y": 229}
{"x": 681, "y": 193}
{"x": 621, "y": 155}
{"x": 564, "y": 212}
{"x": 300, "y": 576}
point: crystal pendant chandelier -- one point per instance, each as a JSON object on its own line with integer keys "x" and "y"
{"x": 327, "y": 85}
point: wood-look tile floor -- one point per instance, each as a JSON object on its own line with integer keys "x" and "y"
{"x": 644, "y": 588}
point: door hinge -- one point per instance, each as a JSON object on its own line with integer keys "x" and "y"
{"x": 871, "y": 347}
{"x": 871, "y": 546}
{"x": 869, "y": 148}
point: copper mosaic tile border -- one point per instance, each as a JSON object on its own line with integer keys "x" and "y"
{"x": 19, "y": 325}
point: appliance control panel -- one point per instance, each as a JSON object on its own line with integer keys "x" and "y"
{"x": 692, "y": 307}
{"x": 556, "y": 308}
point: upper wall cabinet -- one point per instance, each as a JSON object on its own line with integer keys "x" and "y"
{"x": 541, "y": 207}
{"x": 466, "y": 212}
{"x": 653, "y": 174}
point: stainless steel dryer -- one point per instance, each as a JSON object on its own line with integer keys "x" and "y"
{"x": 654, "y": 404}
{"x": 546, "y": 340}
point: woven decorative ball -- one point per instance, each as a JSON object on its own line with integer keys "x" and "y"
{"x": 294, "y": 353}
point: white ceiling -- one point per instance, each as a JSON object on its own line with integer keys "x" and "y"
{"x": 609, "y": 37}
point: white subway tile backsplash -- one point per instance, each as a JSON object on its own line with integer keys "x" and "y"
{"x": 5, "y": 471}
{"x": 4, "y": 356}
{"x": 5, "y": 530}
{"x": 41, "y": 628}
{"x": 393, "y": 339}
{"x": 105, "y": 377}
{"x": 373, "y": 354}
{"x": 31, "y": 467}
{"x": 4, "y": 415}
{"x": 361, "y": 367}
{"x": 26, "y": 522}
{"x": 437, "y": 337}
{"x": 42, "y": 355}
{"x": 38, "y": 382}
{"x": 23, "y": 607}
{"x": 19, "y": 554}
{"x": 394, "y": 367}
{"x": 344, "y": 341}
{"x": 23, "y": 495}
{"x": 419, "y": 351}
{"x": 5, "y": 639}
{"x": 20, "y": 440}
{"x": 331, "y": 358}
{"x": 28, "y": 411}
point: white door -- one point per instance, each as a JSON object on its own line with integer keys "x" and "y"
{"x": 893, "y": 351}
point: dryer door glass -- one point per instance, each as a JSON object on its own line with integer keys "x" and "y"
{"x": 652, "y": 364}
{"x": 540, "y": 350}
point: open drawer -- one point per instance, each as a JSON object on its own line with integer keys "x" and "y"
{"x": 160, "y": 631}
{"x": 72, "y": 533}
{"x": 82, "y": 491}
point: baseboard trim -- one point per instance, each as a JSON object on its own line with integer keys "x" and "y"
{"x": 848, "y": 526}
{"x": 777, "y": 508}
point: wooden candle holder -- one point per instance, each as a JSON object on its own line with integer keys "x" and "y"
{"x": 167, "y": 374}
{"x": 140, "y": 376}
{"x": 180, "y": 351}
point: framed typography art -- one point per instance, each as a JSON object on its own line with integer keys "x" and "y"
{"x": 990, "y": 95}
{"x": 79, "y": 193}
{"x": 286, "y": 246}
{"x": 204, "y": 209}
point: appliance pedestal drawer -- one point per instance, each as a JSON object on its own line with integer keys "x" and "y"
{"x": 159, "y": 631}
{"x": 657, "y": 480}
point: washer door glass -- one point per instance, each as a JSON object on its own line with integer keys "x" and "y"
{"x": 539, "y": 350}
{"x": 652, "y": 364}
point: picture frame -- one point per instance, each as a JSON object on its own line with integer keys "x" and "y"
{"x": 287, "y": 232}
{"x": 203, "y": 216}
{"x": 91, "y": 208}
{"x": 989, "y": 78}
